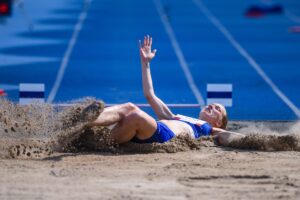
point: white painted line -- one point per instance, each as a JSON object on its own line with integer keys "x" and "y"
{"x": 219, "y": 87}
{"x": 169, "y": 105}
{"x": 32, "y": 87}
{"x": 14, "y": 60}
{"x": 224, "y": 101}
{"x": 26, "y": 101}
{"x": 247, "y": 56}
{"x": 7, "y": 87}
{"x": 68, "y": 52}
{"x": 139, "y": 105}
{"x": 179, "y": 53}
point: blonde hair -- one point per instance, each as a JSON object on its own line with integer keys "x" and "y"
{"x": 224, "y": 121}
{"x": 224, "y": 118}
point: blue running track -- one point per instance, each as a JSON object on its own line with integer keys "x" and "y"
{"x": 90, "y": 48}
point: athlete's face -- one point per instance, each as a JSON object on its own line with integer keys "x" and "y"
{"x": 213, "y": 114}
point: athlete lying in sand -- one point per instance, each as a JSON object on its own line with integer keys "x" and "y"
{"x": 133, "y": 124}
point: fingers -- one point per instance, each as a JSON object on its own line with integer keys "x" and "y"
{"x": 142, "y": 53}
{"x": 154, "y": 51}
{"x": 145, "y": 41}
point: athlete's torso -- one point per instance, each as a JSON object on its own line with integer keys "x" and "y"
{"x": 184, "y": 125}
{"x": 179, "y": 127}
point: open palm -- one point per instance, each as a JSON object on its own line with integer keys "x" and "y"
{"x": 145, "y": 49}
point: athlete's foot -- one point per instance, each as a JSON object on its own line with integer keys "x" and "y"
{"x": 87, "y": 115}
{"x": 91, "y": 112}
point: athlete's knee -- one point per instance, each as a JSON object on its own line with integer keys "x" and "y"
{"x": 135, "y": 117}
{"x": 128, "y": 108}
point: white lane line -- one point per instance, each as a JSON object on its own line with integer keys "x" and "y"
{"x": 179, "y": 53}
{"x": 139, "y": 105}
{"x": 69, "y": 50}
{"x": 8, "y": 87}
{"x": 247, "y": 56}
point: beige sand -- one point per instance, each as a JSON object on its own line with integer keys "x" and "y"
{"x": 208, "y": 173}
{"x": 264, "y": 165}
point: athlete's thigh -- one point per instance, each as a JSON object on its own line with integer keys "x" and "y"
{"x": 137, "y": 124}
{"x": 146, "y": 125}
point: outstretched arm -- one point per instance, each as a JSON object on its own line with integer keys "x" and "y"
{"x": 160, "y": 108}
{"x": 225, "y": 137}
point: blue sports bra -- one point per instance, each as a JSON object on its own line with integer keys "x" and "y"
{"x": 200, "y": 127}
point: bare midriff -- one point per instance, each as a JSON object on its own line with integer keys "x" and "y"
{"x": 179, "y": 127}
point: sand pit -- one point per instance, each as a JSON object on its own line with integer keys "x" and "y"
{"x": 40, "y": 161}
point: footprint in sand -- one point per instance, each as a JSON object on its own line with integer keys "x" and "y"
{"x": 29, "y": 151}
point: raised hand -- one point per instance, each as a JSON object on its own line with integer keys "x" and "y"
{"x": 145, "y": 50}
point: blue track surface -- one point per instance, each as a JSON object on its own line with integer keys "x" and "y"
{"x": 104, "y": 62}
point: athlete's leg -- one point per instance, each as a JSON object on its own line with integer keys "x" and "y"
{"x": 136, "y": 124}
{"x": 113, "y": 114}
